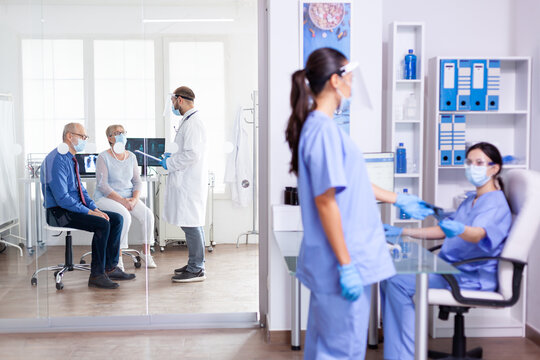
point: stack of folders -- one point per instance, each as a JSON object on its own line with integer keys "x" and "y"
{"x": 469, "y": 85}
{"x": 451, "y": 140}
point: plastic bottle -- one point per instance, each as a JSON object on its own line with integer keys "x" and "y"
{"x": 409, "y": 107}
{"x": 410, "y": 65}
{"x": 402, "y": 215}
{"x": 401, "y": 159}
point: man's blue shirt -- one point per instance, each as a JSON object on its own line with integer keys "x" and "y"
{"x": 59, "y": 184}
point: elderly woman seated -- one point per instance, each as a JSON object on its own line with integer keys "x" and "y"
{"x": 118, "y": 189}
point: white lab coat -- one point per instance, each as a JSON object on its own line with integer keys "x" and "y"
{"x": 187, "y": 182}
{"x": 239, "y": 165}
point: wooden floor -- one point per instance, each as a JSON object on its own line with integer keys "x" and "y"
{"x": 205, "y": 344}
{"x": 231, "y": 286}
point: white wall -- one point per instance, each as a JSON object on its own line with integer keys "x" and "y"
{"x": 125, "y": 21}
{"x": 527, "y": 42}
{"x": 365, "y": 128}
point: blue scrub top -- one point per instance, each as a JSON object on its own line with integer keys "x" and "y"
{"x": 328, "y": 158}
{"x": 491, "y": 212}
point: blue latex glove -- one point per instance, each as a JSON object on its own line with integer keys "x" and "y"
{"x": 164, "y": 160}
{"x": 413, "y": 206}
{"x": 392, "y": 233}
{"x": 451, "y": 228}
{"x": 350, "y": 281}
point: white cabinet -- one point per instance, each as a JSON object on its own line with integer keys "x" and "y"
{"x": 405, "y": 111}
{"x": 508, "y": 128}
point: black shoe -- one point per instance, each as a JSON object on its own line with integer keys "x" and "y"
{"x": 101, "y": 281}
{"x": 183, "y": 269}
{"x": 187, "y": 277}
{"x": 117, "y": 274}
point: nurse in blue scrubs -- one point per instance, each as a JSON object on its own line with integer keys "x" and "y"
{"x": 344, "y": 250}
{"x": 478, "y": 228}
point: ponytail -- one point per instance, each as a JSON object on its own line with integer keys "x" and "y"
{"x": 306, "y": 85}
{"x": 302, "y": 103}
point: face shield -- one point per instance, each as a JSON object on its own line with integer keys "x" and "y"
{"x": 168, "y": 109}
{"x": 352, "y": 76}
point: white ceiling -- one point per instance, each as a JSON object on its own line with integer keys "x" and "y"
{"x": 187, "y": 3}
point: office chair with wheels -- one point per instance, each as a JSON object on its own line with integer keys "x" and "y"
{"x": 522, "y": 190}
{"x": 134, "y": 255}
{"x": 68, "y": 265}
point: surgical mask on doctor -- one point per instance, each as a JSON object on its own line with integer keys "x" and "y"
{"x": 80, "y": 145}
{"x": 477, "y": 175}
{"x": 176, "y": 111}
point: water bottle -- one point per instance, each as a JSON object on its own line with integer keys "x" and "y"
{"x": 401, "y": 159}
{"x": 402, "y": 215}
{"x": 410, "y": 65}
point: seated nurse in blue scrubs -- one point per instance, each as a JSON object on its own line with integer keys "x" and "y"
{"x": 478, "y": 228}
{"x": 343, "y": 250}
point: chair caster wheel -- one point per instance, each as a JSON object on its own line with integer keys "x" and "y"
{"x": 55, "y": 273}
{"x": 137, "y": 264}
{"x": 21, "y": 245}
{"x": 82, "y": 261}
{"x": 210, "y": 249}
{"x": 59, "y": 286}
{"x": 213, "y": 243}
{"x": 162, "y": 249}
{"x": 33, "y": 281}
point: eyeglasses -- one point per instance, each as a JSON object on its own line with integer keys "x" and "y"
{"x": 118, "y": 133}
{"x": 478, "y": 162}
{"x": 84, "y": 137}
{"x": 176, "y": 96}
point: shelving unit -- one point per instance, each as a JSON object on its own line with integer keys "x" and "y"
{"x": 397, "y": 128}
{"x": 509, "y": 130}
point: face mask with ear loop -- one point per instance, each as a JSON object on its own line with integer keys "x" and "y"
{"x": 359, "y": 97}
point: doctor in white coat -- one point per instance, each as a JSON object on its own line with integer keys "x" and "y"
{"x": 187, "y": 184}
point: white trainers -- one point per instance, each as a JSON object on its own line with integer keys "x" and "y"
{"x": 120, "y": 264}
{"x": 150, "y": 263}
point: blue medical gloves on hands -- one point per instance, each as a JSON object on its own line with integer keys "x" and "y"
{"x": 451, "y": 228}
{"x": 350, "y": 281}
{"x": 413, "y": 206}
{"x": 164, "y": 160}
{"x": 392, "y": 233}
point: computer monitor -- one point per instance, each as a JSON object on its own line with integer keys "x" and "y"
{"x": 136, "y": 144}
{"x": 380, "y": 167}
{"x": 87, "y": 164}
{"x": 150, "y": 146}
{"x": 156, "y": 148}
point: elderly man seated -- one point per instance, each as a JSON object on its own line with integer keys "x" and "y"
{"x": 68, "y": 205}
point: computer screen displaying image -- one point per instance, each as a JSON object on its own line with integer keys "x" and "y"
{"x": 156, "y": 148}
{"x": 87, "y": 164}
{"x": 380, "y": 167}
{"x": 133, "y": 144}
{"x": 150, "y": 146}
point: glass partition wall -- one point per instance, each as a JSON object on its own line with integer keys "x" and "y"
{"x": 99, "y": 64}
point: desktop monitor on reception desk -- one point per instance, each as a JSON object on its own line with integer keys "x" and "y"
{"x": 380, "y": 167}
